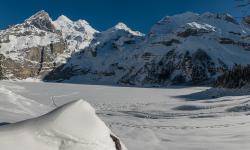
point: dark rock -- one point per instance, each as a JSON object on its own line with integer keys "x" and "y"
{"x": 243, "y": 108}
{"x": 38, "y": 61}
{"x": 169, "y": 43}
{"x": 117, "y": 142}
{"x": 236, "y": 77}
{"x": 192, "y": 32}
{"x": 41, "y": 20}
{"x": 247, "y": 20}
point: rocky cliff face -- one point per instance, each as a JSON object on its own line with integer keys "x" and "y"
{"x": 184, "y": 48}
{"x": 35, "y": 47}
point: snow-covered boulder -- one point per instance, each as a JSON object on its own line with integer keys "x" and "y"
{"x": 73, "y": 126}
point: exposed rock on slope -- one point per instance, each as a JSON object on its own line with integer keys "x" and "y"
{"x": 237, "y": 77}
{"x": 38, "y": 45}
{"x": 42, "y": 21}
{"x": 100, "y": 60}
{"x": 247, "y": 20}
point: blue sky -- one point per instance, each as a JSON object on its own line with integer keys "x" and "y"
{"x": 102, "y": 14}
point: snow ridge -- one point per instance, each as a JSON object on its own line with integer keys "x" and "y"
{"x": 73, "y": 126}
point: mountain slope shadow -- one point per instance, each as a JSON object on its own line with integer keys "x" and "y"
{"x": 214, "y": 93}
{"x": 90, "y": 54}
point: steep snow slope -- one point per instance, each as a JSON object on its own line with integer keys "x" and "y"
{"x": 100, "y": 60}
{"x": 183, "y": 48}
{"x": 77, "y": 35}
{"x": 73, "y": 126}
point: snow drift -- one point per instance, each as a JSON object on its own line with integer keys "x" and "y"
{"x": 73, "y": 126}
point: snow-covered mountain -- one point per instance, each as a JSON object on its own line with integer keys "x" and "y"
{"x": 38, "y": 45}
{"x": 74, "y": 126}
{"x": 184, "y": 48}
{"x": 77, "y": 35}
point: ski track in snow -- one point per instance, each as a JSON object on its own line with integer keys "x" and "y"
{"x": 144, "y": 118}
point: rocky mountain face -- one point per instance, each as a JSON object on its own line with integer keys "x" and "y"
{"x": 184, "y": 48}
{"x": 35, "y": 47}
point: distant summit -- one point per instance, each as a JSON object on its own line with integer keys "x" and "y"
{"x": 41, "y": 20}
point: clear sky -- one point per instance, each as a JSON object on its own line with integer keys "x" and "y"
{"x": 102, "y": 14}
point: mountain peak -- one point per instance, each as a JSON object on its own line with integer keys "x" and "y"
{"x": 39, "y": 15}
{"x": 41, "y": 20}
{"x": 64, "y": 19}
{"x": 185, "y": 16}
{"x": 210, "y": 21}
{"x": 84, "y": 24}
{"x": 124, "y": 27}
{"x": 121, "y": 26}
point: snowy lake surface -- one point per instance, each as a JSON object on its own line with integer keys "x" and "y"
{"x": 174, "y": 118}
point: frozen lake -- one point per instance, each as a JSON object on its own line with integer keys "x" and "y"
{"x": 174, "y": 118}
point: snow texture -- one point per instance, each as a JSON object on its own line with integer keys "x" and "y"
{"x": 73, "y": 126}
{"x": 175, "y": 118}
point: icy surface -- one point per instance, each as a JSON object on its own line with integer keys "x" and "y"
{"x": 176, "y": 118}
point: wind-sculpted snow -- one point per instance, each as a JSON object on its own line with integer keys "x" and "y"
{"x": 73, "y": 126}
{"x": 19, "y": 106}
